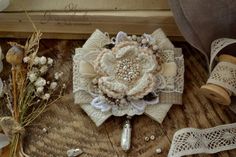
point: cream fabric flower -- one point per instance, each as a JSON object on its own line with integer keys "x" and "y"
{"x": 126, "y": 70}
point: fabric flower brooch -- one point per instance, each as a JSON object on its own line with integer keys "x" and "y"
{"x": 127, "y": 75}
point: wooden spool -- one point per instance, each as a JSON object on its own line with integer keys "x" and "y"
{"x": 216, "y": 93}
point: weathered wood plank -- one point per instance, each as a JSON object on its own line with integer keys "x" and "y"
{"x": 75, "y": 19}
{"x": 89, "y": 16}
{"x": 80, "y": 23}
{"x": 82, "y": 5}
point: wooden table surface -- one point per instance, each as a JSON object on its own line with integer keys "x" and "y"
{"x": 196, "y": 112}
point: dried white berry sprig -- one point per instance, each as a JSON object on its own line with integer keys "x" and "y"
{"x": 30, "y": 89}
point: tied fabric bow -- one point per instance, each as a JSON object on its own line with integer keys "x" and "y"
{"x": 127, "y": 76}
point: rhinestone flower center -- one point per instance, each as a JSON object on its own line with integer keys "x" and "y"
{"x": 128, "y": 69}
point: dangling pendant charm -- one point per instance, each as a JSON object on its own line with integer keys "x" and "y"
{"x": 126, "y": 135}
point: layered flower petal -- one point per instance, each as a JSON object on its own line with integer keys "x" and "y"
{"x": 100, "y": 104}
{"x": 144, "y": 86}
{"x": 111, "y": 87}
{"x": 138, "y": 104}
{"x": 86, "y": 69}
{"x": 121, "y": 36}
{"x": 148, "y": 62}
{"x": 128, "y": 51}
{"x": 124, "y": 44}
{"x": 107, "y": 64}
{"x": 91, "y": 56}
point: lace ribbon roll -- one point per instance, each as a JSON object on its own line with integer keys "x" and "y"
{"x": 190, "y": 141}
{"x": 224, "y": 75}
{"x": 220, "y": 86}
{"x": 222, "y": 81}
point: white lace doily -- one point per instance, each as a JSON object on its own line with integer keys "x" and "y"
{"x": 190, "y": 141}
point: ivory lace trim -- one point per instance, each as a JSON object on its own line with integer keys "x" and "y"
{"x": 190, "y": 141}
{"x": 224, "y": 75}
{"x": 176, "y": 83}
{"x": 216, "y": 46}
{"x": 194, "y": 141}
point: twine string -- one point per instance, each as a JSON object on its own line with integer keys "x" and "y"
{"x": 11, "y": 127}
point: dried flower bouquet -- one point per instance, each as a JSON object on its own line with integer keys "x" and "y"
{"x": 28, "y": 91}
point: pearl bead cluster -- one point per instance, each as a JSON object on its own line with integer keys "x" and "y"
{"x": 144, "y": 42}
{"x": 128, "y": 69}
